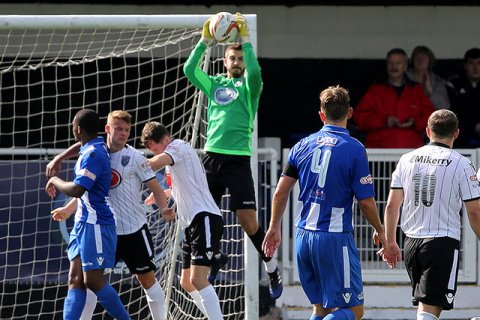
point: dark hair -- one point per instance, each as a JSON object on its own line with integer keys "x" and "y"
{"x": 334, "y": 103}
{"x": 426, "y": 51}
{"x": 234, "y": 46}
{"x": 396, "y": 51}
{"x": 153, "y": 131}
{"x": 443, "y": 123}
{"x": 88, "y": 121}
{"x": 473, "y": 53}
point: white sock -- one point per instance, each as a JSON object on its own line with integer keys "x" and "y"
{"x": 270, "y": 266}
{"x": 198, "y": 301}
{"x": 211, "y": 303}
{"x": 156, "y": 300}
{"x": 426, "y": 316}
{"x": 90, "y": 304}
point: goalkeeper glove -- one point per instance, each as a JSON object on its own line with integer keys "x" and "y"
{"x": 242, "y": 25}
{"x": 206, "y": 35}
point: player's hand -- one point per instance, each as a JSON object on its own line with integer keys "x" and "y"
{"x": 167, "y": 213}
{"x": 206, "y": 30}
{"x": 379, "y": 237}
{"x": 242, "y": 25}
{"x": 273, "y": 237}
{"x": 60, "y": 214}
{"x": 50, "y": 188}
{"x": 150, "y": 200}
{"x": 391, "y": 254}
{"x": 53, "y": 168}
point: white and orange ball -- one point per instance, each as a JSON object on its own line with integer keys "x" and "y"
{"x": 223, "y": 27}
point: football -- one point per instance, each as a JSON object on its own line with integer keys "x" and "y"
{"x": 223, "y": 27}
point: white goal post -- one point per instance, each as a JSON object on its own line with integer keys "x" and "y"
{"x": 51, "y": 66}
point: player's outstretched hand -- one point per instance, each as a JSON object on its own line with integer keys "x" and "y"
{"x": 273, "y": 237}
{"x": 53, "y": 168}
{"x": 206, "y": 30}
{"x": 242, "y": 25}
{"x": 167, "y": 213}
{"x": 60, "y": 214}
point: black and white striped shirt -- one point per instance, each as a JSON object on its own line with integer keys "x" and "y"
{"x": 130, "y": 170}
{"x": 435, "y": 180}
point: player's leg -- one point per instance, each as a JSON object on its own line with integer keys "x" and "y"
{"x": 185, "y": 274}
{"x": 237, "y": 175}
{"x": 439, "y": 260}
{"x": 136, "y": 250}
{"x": 328, "y": 265}
{"x": 206, "y": 232}
{"x": 76, "y": 294}
{"x": 90, "y": 305}
{"x": 97, "y": 250}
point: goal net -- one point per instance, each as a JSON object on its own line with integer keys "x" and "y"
{"x": 53, "y": 66}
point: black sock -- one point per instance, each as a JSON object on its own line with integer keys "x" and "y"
{"x": 257, "y": 240}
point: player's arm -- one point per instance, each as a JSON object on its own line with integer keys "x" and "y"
{"x": 160, "y": 199}
{"x": 392, "y": 214}
{"x": 273, "y": 237}
{"x": 254, "y": 74}
{"x": 69, "y": 188}
{"x": 369, "y": 210}
{"x": 473, "y": 211}
{"x": 192, "y": 69}
{"x": 159, "y": 161}
{"x": 53, "y": 167}
{"x": 63, "y": 213}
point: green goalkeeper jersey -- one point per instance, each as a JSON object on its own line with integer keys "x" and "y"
{"x": 232, "y": 102}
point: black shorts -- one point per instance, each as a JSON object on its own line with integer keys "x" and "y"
{"x": 432, "y": 265}
{"x": 136, "y": 250}
{"x": 232, "y": 172}
{"x": 201, "y": 245}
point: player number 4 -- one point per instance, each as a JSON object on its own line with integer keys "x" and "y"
{"x": 320, "y": 165}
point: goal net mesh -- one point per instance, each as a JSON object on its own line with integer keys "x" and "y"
{"x": 46, "y": 76}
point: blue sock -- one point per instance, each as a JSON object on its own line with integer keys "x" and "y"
{"x": 109, "y": 299}
{"x": 74, "y": 303}
{"x": 315, "y": 317}
{"x": 341, "y": 314}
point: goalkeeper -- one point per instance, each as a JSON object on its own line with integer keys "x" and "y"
{"x": 232, "y": 104}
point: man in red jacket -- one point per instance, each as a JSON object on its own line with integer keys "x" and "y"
{"x": 394, "y": 113}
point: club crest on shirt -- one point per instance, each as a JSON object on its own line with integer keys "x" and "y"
{"x": 125, "y": 160}
{"x": 116, "y": 179}
{"x": 224, "y": 95}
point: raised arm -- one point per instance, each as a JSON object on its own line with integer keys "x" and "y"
{"x": 53, "y": 167}
{"x": 191, "y": 68}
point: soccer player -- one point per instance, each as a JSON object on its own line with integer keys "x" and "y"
{"x": 331, "y": 168}
{"x": 432, "y": 182}
{"x": 135, "y": 246}
{"x": 198, "y": 214}
{"x": 92, "y": 242}
{"x": 232, "y": 105}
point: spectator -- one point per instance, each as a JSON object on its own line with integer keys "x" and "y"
{"x": 465, "y": 97}
{"x": 393, "y": 113}
{"x": 422, "y": 62}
